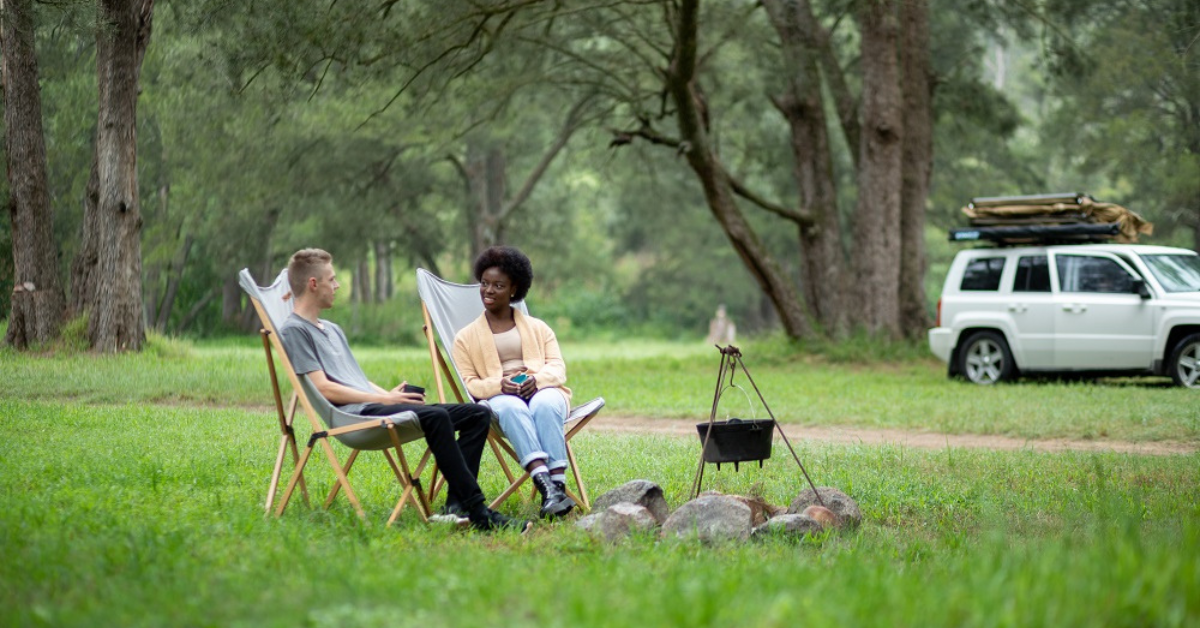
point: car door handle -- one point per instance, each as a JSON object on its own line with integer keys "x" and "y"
{"x": 1018, "y": 308}
{"x": 1078, "y": 308}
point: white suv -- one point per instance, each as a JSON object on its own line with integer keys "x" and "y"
{"x": 1083, "y": 308}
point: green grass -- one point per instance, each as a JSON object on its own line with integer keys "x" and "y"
{"x": 670, "y": 380}
{"x": 135, "y": 515}
{"x": 133, "y": 486}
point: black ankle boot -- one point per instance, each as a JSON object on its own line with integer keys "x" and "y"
{"x": 555, "y": 502}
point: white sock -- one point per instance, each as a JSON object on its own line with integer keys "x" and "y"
{"x": 541, "y": 468}
{"x": 558, "y": 476}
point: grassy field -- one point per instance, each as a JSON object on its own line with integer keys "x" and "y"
{"x": 658, "y": 379}
{"x": 133, "y": 489}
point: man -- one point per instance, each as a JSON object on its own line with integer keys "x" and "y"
{"x": 319, "y": 349}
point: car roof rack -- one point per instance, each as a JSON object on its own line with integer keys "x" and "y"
{"x": 1038, "y": 234}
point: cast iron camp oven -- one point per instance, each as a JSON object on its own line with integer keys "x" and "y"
{"x": 737, "y": 441}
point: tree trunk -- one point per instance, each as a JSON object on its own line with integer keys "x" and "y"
{"x": 174, "y": 278}
{"x": 718, "y": 189}
{"x": 486, "y": 180}
{"x": 37, "y": 300}
{"x": 231, "y": 302}
{"x": 115, "y": 322}
{"x": 917, "y": 76}
{"x": 877, "y": 217}
{"x": 822, "y": 261}
{"x": 362, "y": 281}
{"x": 383, "y": 272}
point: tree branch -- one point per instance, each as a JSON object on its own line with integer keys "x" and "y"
{"x": 739, "y": 188}
{"x": 569, "y": 127}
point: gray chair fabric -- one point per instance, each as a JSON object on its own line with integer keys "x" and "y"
{"x": 276, "y": 300}
{"x": 453, "y": 306}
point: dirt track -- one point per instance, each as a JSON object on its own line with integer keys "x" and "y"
{"x": 921, "y": 440}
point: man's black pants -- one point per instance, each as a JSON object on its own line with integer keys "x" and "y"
{"x": 458, "y": 461}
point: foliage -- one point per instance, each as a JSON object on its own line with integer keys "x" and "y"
{"x": 270, "y": 126}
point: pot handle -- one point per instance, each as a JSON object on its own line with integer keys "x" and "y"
{"x": 749, "y": 402}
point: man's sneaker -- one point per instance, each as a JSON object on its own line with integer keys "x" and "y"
{"x": 555, "y": 502}
{"x": 489, "y": 520}
{"x": 453, "y": 508}
{"x": 453, "y": 514}
{"x": 449, "y": 519}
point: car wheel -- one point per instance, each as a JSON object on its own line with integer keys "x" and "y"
{"x": 985, "y": 359}
{"x": 1185, "y": 362}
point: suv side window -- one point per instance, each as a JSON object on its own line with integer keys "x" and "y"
{"x": 1084, "y": 273}
{"x": 983, "y": 274}
{"x": 1033, "y": 274}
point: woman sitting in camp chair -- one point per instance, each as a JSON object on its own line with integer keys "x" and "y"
{"x": 512, "y": 361}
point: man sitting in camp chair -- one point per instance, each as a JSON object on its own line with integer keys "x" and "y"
{"x": 319, "y": 349}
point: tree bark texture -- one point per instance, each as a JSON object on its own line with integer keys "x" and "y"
{"x": 383, "y": 272}
{"x": 115, "y": 319}
{"x": 823, "y": 261}
{"x": 877, "y": 216}
{"x": 37, "y": 301}
{"x": 917, "y": 73}
{"x": 718, "y": 189}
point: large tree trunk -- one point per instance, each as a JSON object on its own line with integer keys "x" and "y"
{"x": 823, "y": 261}
{"x": 877, "y": 217}
{"x": 115, "y": 322}
{"x": 917, "y": 76}
{"x": 37, "y": 300}
{"x": 718, "y": 189}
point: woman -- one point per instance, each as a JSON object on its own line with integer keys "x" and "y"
{"x": 513, "y": 361}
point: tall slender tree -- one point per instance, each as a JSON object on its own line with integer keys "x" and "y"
{"x": 107, "y": 276}
{"x": 37, "y": 301}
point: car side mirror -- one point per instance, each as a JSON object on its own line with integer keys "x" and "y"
{"x": 1139, "y": 288}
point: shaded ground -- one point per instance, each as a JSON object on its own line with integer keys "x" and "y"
{"x": 920, "y": 440}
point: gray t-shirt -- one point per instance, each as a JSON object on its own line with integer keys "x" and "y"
{"x": 311, "y": 348}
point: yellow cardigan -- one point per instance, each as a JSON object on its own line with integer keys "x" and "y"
{"x": 478, "y": 362}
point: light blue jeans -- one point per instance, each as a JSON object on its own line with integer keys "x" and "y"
{"x": 535, "y": 430}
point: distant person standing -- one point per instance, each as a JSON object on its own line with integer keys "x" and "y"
{"x": 721, "y": 330}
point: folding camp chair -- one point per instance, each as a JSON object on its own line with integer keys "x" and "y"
{"x": 360, "y": 433}
{"x": 448, "y": 307}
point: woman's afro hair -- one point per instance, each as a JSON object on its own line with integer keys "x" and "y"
{"x": 511, "y": 262}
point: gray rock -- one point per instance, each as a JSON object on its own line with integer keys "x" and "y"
{"x": 710, "y": 518}
{"x": 840, "y": 503}
{"x": 641, "y": 492}
{"x": 787, "y": 525}
{"x": 760, "y": 510}
{"x": 618, "y": 521}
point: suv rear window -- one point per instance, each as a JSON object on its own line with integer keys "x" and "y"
{"x": 1033, "y": 274}
{"x": 983, "y": 274}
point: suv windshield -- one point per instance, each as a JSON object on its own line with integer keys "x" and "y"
{"x": 1176, "y": 273}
